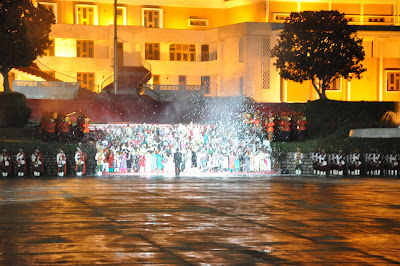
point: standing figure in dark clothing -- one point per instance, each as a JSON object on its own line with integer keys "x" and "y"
{"x": 178, "y": 162}
{"x": 194, "y": 159}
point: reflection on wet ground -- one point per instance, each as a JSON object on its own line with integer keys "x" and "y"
{"x": 194, "y": 220}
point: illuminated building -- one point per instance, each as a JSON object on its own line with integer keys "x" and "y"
{"x": 223, "y": 44}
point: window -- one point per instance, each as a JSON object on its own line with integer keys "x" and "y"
{"x": 50, "y": 6}
{"x": 84, "y": 48}
{"x": 49, "y": 51}
{"x": 376, "y": 19}
{"x": 241, "y": 50}
{"x": 280, "y": 17}
{"x": 152, "y": 51}
{"x": 205, "y": 82}
{"x": 156, "y": 79}
{"x": 152, "y": 17}
{"x": 121, "y": 15}
{"x": 334, "y": 86}
{"x": 205, "y": 54}
{"x": 86, "y": 15}
{"x": 241, "y": 86}
{"x": 182, "y": 52}
{"x": 182, "y": 80}
{"x": 198, "y": 22}
{"x": 393, "y": 80}
{"x": 86, "y": 80}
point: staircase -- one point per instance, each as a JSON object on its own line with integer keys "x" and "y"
{"x": 130, "y": 78}
{"x": 34, "y": 70}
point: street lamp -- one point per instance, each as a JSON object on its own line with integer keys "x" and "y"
{"x": 115, "y": 48}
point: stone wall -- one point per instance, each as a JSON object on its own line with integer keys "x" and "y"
{"x": 288, "y": 164}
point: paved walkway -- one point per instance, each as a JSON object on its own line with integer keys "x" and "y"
{"x": 226, "y": 220}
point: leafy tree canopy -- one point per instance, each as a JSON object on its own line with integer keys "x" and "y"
{"x": 24, "y": 34}
{"x": 319, "y": 46}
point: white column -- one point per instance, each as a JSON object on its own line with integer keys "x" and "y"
{"x": 381, "y": 80}
{"x": 349, "y": 91}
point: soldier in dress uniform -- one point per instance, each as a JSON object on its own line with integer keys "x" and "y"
{"x": 61, "y": 163}
{"x": 5, "y": 163}
{"x": 355, "y": 163}
{"x": 37, "y": 163}
{"x": 298, "y": 156}
{"x": 323, "y": 163}
{"x": 393, "y": 161}
{"x": 21, "y": 162}
{"x": 79, "y": 162}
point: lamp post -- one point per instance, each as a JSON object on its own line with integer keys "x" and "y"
{"x": 115, "y": 48}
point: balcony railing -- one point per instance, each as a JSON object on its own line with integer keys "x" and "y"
{"x": 385, "y": 20}
{"x": 182, "y": 88}
{"x": 173, "y": 92}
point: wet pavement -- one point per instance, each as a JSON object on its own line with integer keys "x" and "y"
{"x": 225, "y": 220}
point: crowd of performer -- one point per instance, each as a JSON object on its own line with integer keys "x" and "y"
{"x": 237, "y": 147}
{"x": 203, "y": 148}
{"x": 373, "y": 163}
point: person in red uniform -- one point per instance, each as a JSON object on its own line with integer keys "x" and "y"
{"x": 48, "y": 127}
{"x": 63, "y": 127}
{"x": 285, "y": 127}
{"x": 83, "y": 125}
{"x": 269, "y": 127}
{"x": 301, "y": 128}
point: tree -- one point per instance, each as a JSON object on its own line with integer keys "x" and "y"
{"x": 319, "y": 46}
{"x": 24, "y": 34}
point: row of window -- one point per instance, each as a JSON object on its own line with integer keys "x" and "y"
{"x": 392, "y": 82}
{"x": 151, "y": 17}
{"x": 177, "y": 52}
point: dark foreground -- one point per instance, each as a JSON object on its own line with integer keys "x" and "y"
{"x": 195, "y": 220}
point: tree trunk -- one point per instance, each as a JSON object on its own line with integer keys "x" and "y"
{"x": 322, "y": 95}
{"x": 6, "y": 83}
{"x": 316, "y": 88}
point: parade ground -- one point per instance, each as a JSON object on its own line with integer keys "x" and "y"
{"x": 204, "y": 219}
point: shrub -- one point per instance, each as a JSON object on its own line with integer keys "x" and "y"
{"x": 13, "y": 110}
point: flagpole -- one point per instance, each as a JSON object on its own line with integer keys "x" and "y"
{"x": 115, "y": 49}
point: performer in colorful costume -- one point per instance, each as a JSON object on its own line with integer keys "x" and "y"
{"x": 100, "y": 160}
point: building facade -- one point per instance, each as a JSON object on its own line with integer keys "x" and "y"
{"x": 224, "y": 45}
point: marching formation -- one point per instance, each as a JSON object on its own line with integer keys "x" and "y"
{"x": 355, "y": 163}
{"x": 21, "y": 163}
